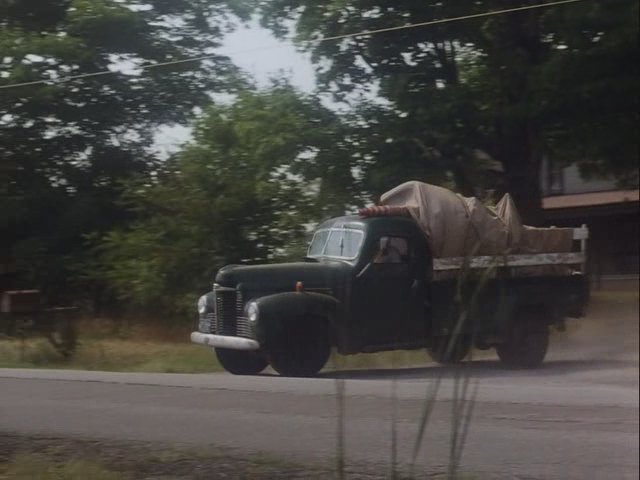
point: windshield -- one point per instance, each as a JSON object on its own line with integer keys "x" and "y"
{"x": 336, "y": 242}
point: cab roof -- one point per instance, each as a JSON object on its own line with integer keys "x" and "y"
{"x": 373, "y": 224}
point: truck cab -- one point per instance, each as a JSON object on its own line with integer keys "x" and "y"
{"x": 361, "y": 288}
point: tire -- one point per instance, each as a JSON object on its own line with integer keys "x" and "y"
{"x": 302, "y": 349}
{"x": 526, "y": 345}
{"x": 241, "y": 362}
{"x": 460, "y": 349}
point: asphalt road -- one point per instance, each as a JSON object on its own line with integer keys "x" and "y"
{"x": 577, "y": 417}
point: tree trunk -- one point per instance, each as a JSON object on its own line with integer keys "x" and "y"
{"x": 519, "y": 143}
{"x": 464, "y": 184}
{"x": 526, "y": 194}
{"x": 522, "y": 158}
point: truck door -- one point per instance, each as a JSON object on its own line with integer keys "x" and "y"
{"x": 387, "y": 296}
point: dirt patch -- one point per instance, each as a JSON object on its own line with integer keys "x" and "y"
{"x": 609, "y": 331}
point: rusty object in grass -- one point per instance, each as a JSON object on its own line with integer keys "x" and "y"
{"x": 23, "y": 313}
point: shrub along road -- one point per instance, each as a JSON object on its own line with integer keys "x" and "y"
{"x": 577, "y": 417}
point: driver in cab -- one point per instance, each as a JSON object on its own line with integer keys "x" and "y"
{"x": 387, "y": 252}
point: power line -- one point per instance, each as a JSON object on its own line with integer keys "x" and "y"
{"x": 444, "y": 20}
{"x": 363, "y": 33}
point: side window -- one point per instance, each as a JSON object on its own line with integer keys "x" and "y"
{"x": 392, "y": 250}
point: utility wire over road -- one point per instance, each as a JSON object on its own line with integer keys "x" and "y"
{"x": 363, "y": 33}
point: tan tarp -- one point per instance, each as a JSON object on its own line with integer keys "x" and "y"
{"x": 457, "y": 226}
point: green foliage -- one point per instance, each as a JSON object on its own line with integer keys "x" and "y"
{"x": 593, "y": 80}
{"x": 473, "y": 105}
{"x": 256, "y": 173}
{"x": 66, "y": 147}
{"x": 464, "y": 95}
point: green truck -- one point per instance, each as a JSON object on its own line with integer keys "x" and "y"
{"x": 370, "y": 284}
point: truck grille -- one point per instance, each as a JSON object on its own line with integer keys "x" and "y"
{"x": 229, "y": 318}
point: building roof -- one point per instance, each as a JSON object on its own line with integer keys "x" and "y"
{"x": 579, "y": 200}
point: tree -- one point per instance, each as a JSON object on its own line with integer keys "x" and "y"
{"x": 502, "y": 87}
{"x": 593, "y": 118}
{"x": 66, "y": 147}
{"x": 257, "y": 171}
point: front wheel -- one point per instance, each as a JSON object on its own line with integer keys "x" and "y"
{"x": 302, "y": 349}
{"x": 526, "y": 345}
{"x": 241, "y": 362}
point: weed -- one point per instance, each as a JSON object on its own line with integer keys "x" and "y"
{"x": 37, "y": 467}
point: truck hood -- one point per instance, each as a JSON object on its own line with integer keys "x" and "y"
{"x": 284, "y": 276}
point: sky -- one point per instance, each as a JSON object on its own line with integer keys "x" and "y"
{"x": 261, "y": 64}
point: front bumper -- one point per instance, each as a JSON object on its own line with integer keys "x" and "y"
{"x": 224, "y": 341}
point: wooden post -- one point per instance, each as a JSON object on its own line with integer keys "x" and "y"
{"x": 583, "y": 249}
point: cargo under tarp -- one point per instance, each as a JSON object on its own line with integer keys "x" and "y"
{"x": 457, "y": 226}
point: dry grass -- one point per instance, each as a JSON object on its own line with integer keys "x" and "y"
{"x": 152, "y": 347}
{"x": 40, "y": 467}
{"x": 111, "y": 355}
{"x": 66, "y": 458}
{"x": 104, "y": 345}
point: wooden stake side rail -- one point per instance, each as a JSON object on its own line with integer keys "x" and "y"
{"x": 455, "y": 263}
{"x": 521, "y": 260}
{"x": 581, "y": 233}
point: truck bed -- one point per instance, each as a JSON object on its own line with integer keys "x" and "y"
{"x": 577, "y": 258}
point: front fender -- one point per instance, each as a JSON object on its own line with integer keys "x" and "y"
{"x": 276, "y": 310}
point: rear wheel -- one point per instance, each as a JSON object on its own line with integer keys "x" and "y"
{"x": 302, "y": 349}
{"x": 241, "y": 362}
{"x": 526, "y": 345}
{"x": 447, "y": 350}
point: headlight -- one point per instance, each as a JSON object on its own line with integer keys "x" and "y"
{"x": 202, "y": 305}
{"x": 252, "y": 311}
